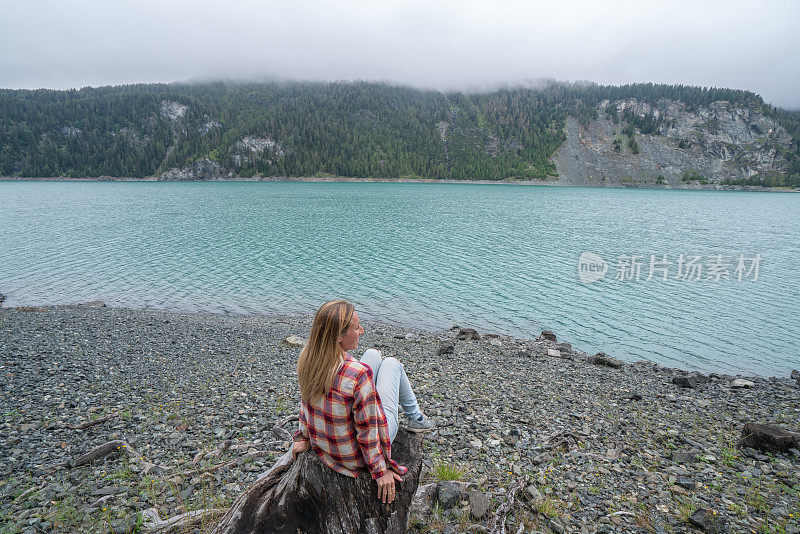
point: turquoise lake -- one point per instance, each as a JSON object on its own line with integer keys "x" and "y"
{"x": 499, "y": 258}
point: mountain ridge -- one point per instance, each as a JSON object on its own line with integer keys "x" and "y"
{"x": 372, "y": 130}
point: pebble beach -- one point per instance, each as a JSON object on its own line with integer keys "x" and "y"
{"x": 596, "y": 444}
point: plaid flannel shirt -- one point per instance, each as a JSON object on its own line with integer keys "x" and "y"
{"x": 347, "y": 427}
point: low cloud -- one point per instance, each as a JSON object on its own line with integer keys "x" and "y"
{"x": 444, "y": 45}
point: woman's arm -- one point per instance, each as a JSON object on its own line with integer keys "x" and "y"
{"x": 300, "y": 441}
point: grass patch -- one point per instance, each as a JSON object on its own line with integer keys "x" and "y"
{"x": 443, "y": 470}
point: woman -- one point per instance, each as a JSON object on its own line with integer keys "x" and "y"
{"x": 349, "y": 409}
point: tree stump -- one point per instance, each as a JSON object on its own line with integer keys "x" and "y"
{"x": 308, "y": 496}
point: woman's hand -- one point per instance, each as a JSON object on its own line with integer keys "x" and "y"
{"x": 298, "y": 447}
{"x": 386, "y": 486}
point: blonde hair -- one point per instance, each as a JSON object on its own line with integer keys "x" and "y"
{"x": 321, "y": 358}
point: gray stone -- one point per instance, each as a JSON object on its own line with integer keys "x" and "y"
{"x": 468, "y": 333}
{"x": 423, "y": 500}
{"x": 685, "y": 381}
{"x": 445, "y": 349}
{"x": 601, "y": 358}
{"x": 448, "y": 494}
{"x": 767, "y": 438}
{"x": 741, "y": 383}
{"x": 532, "y": 493}
{"x": 710, "y": 521}
{"x": 295, "y": 341}
{"x": 479, "y": 504}
{"x": 547, "y": 335}
{"x": 683, "y": 457}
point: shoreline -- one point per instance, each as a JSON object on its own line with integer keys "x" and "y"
{"x": 398, "y": 325}
{"x": 553, "y": 183}
{"x": 175, "y": 384}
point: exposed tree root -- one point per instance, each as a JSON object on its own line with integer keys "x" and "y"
{"x": 281, "y": 432}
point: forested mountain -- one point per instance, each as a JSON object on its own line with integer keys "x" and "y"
{"x": 354, "y": 129}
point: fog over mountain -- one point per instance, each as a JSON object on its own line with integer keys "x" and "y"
{"x": 444, "y": 45}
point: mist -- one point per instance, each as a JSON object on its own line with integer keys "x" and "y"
{"x": 439, "y": 45}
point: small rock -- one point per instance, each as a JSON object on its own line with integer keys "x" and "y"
{"x": 547, "y": 335}
{"x": 564, "y": 347}
{"x": 295, "y": 341}
{"x": 683, "y": 457}
{"x": 601, "y": 358}
{"x": 554, "y": 353}
{"x": 710, "y": 521}
{"x": 635, "y": 396}
{"x": 795, "y": 372}
{"x": 479, "y": 504}
{"x": 445, "y": 349}
{"x": 741, "y": 383}
{"x": 532, "y": 493}
{"x": 468, "y": 333}
{"x": 767, "y": 438}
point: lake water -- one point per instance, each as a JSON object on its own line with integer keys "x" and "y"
{"x": 500, "y": 258}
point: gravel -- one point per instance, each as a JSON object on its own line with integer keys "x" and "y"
{"x": 597, "y": 448}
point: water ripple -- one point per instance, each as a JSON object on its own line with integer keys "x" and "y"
{"x": 500, "y": 258}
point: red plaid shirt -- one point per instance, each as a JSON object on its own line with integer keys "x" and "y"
{"x": 347, "y": 427}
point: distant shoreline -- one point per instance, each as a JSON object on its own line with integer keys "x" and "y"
{"x": 342, "y": 179}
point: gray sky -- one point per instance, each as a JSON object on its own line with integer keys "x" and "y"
{"x": 441, "y": 44}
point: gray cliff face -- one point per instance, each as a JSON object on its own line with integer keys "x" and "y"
{"x": 201, "y": 169}
{"x": 718, "y": 142}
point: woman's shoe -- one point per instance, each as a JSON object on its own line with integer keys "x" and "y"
{"x": 419, "y": 424}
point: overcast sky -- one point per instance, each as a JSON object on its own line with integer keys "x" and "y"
{"x": 752, "y": 45}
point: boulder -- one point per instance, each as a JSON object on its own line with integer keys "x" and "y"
{"x": 767, "y": 438}
{"x": 547, "y": 335}
{"x": 423, "y": 500}
{"x": 741, "y": 383}
{"x": 601, "y": 358}
{"x": 468, "y": 333}
{"x": 448, "y": 493}
{"x": 795, "y": 372}
{"x": 685, "y": 381}
{"x": 3, "y": 297}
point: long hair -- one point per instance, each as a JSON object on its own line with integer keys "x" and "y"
{"x": 321, "y": 358}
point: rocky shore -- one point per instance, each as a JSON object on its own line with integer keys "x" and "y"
{"x": 189, "y": 404}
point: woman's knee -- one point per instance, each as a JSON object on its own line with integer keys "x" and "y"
{"x": 392, "y": 362}
{"x": 372, "y": 357}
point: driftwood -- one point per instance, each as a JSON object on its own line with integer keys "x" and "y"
{"x": 308, "y": 496}
{"x": 499, "y": 526}
{"x": 153, "y": 523}
{"x": 89, "y": 424}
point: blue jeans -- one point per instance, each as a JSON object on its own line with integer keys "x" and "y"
{"x": 393, "y": 387}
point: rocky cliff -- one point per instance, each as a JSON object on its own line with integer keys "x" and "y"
{"x": 686, "y": 146}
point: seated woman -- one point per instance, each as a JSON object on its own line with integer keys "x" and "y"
{"x": 349, "y": 409}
